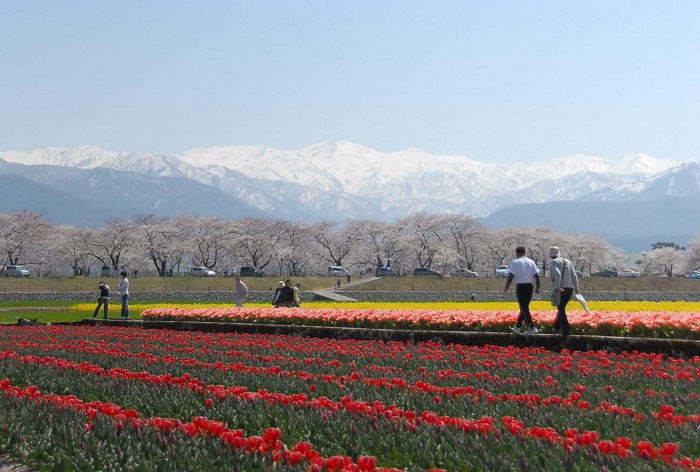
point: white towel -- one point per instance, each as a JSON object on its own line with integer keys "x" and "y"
{"x": 579, "y": 298}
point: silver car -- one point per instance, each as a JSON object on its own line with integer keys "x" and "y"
{"x": 16, "y": 271}
{"x": 202, "y": 272}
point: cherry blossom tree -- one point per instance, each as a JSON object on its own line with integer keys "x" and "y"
{"x": 160, "y": 242}
{"x": 379, "y": 244}
{"x": 333, "y": 243}
{"x": 293, "y": 243}
{"x": 255, "y": 240}
{"x": 109, "y": 243}
{"x": 20, "y": 232}
{"x": 466, "y": 235}
{"x": 424, "y": 233}
{"x": 208, "y": 237}
{"x": 692, "y": 259}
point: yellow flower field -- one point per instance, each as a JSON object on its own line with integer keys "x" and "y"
{"x": 540, "y": 305}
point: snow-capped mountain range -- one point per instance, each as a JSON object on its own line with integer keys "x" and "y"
{"x": 332, "y": 180}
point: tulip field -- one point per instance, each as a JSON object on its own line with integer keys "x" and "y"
{"x": 116, "y": 399}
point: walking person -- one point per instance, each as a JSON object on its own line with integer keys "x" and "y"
{"x": 564, "y": 285}
{"x": 102, "y": 299}
{"x": 523, "y": 270}
{"x": 241, "y": 292}
{"x": 124, "y": 294}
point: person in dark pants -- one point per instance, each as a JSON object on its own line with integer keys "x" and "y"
{"x": 523, "y": 270}
{"x": 564, "y": 285}
{"x": 102, "y": 300}
{"x": 124, "y": 294}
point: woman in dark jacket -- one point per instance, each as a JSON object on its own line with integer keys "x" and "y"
{"x": 286, "y": 295}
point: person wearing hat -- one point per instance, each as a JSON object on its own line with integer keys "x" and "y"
{"x": 564, "y": 285}
{"x": 524, "y": 271}
{"x": 241, "y": 291}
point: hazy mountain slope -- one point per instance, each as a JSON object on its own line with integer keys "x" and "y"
{"x": 55, "y": 205}
{"x": 632, "y": 225}
{"x": 118, "y": 194}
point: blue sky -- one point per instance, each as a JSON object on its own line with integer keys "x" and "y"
{"x": 499, "y": 81}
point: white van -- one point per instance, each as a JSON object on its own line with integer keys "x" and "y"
{"x": 335, "y": 271}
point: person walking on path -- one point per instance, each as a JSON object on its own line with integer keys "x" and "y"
{"x": 523, "y": 270}
{"x": 124, "y": 294}
{"x": 564, "y": 285}
{"x": 102, "y": 299}
{"x": 241, "y": 292}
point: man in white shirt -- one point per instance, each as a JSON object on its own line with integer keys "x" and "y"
{"x": 523, "y": 270}
{"x": 124, "y": 294}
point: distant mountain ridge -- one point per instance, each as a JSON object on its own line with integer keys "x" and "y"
{"x": 338, "y": 180}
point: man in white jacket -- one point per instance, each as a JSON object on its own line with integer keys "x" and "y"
{"x": 564, "y": 285}
{"x": 241, "y": 292}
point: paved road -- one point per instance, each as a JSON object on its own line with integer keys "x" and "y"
{"x": 337, "y": 294}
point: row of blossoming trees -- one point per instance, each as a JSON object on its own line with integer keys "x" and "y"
{"x": 166, "y": 246}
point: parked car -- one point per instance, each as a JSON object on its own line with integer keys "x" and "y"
{"x": 386, "y": 272}
{"x": 425, "y": 272}
{"x": 463, "y": 272}
{"x": 108, "y": 271}
{"x": 628, "y": 273}
{"x": 16, "y": 271}
{"x": 202, "y": 272}
{"x": 502, "y": 271}
{"x": 335, "y": 271}
{"x": 605, "y": 273}
{"x": 250, "y": 271}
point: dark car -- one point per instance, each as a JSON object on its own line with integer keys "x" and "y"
{"x": 249, "y": 271}
{"x": 108, "y": 271}
{"x": 605, "y": 273}
{"x": 386, "y": 272}
{"x": 425, "y": 272}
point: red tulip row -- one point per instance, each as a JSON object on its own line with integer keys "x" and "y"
{"x": 269, "y": 442}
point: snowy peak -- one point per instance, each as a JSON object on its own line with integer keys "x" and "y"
{"x": 642, "y": 164}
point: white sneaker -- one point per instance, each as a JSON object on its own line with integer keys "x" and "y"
{"x": 532, "y": 330}
{"x": 516, "y": 330}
